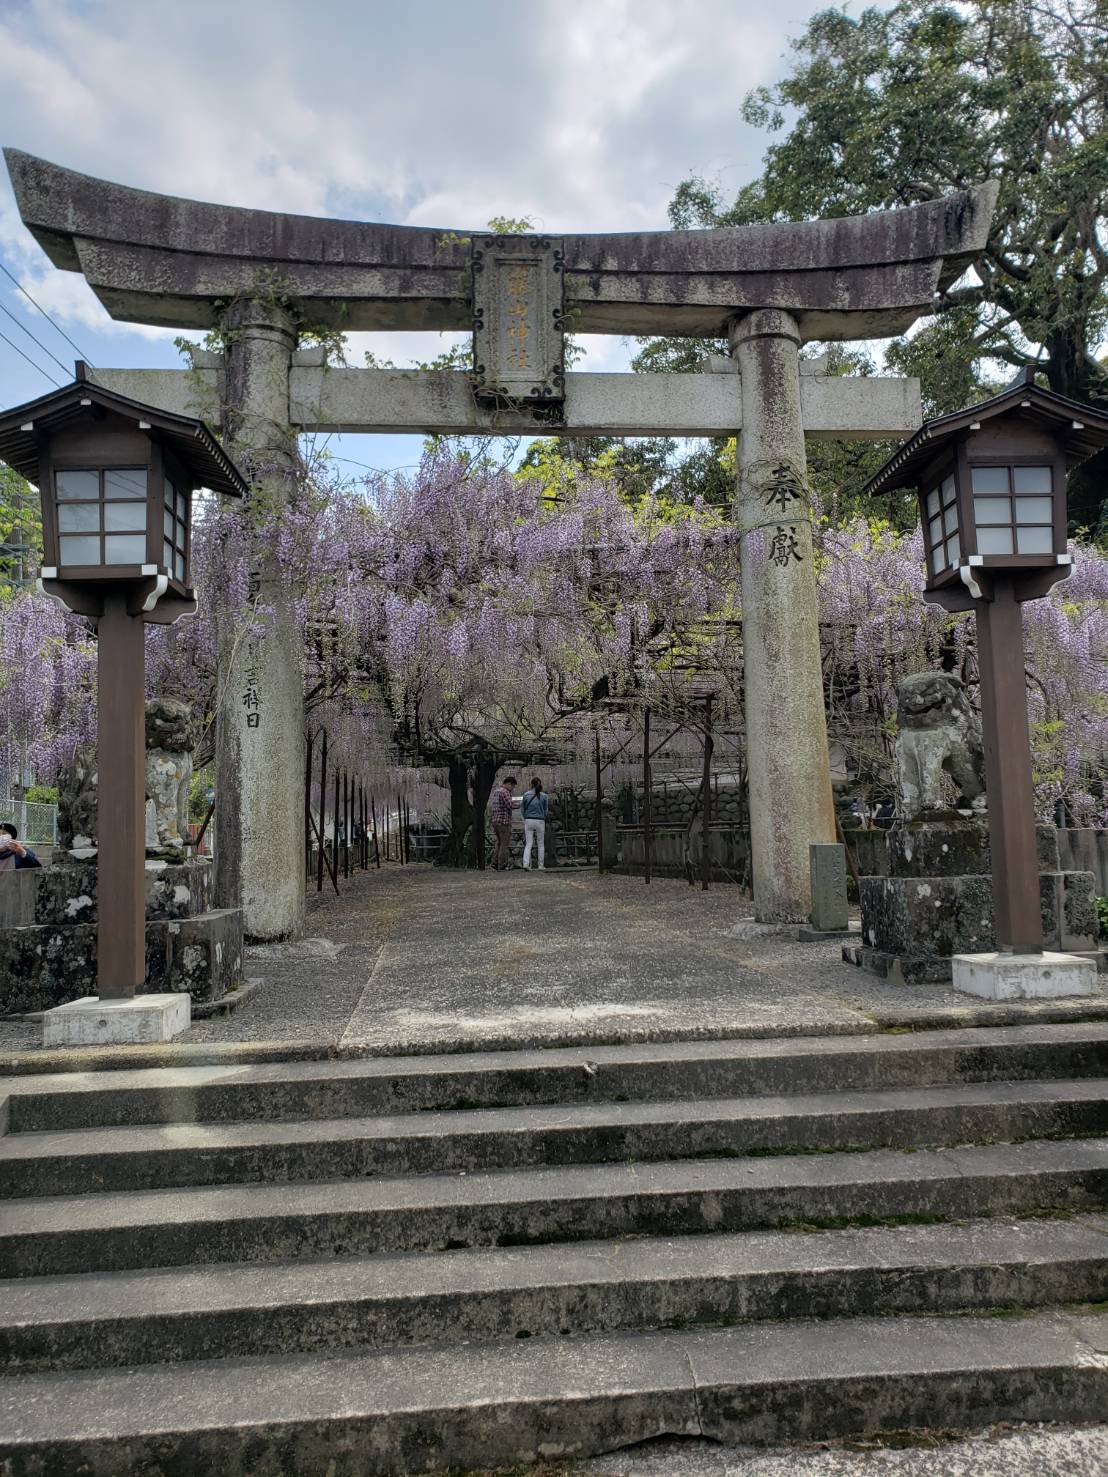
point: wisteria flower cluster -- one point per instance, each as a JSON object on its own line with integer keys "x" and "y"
{"x": 462, "y": 604}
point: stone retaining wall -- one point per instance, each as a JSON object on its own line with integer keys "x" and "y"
{"x": 48, "y": 934}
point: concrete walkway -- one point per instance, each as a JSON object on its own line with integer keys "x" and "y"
{"x": 461, "y": 960}
{"x": 422, "y": 959}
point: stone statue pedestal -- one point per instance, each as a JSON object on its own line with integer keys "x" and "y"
{"x": 937, "y": 901}
{"x": 48, "y": 934}
{"x": 1045, "y": 976}
{"x": 143, "y": 1020}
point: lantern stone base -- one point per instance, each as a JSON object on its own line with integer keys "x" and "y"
{"x": 938, "y": 901}
{"x": 141, "y": 1021}
{"x": 1045, "y": 976}
{"x": 48, "y": 934}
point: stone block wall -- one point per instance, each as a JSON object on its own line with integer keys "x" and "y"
{"x": 1081, "y": 849}
{"x": 937, "y": 900}
{"x": 48, "y": 934}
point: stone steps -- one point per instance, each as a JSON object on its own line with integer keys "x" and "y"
{"x": 525, "y": 1207}
{"x": 192, "y": 1313}
{"x": 389, "y": 1265}
{"x": 195, "y": 1154}
{"x": 409, "y": 1410}
{"x": 671, "y": 1071}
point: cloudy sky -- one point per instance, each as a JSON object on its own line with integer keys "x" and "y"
{"x": 580, "y": 114}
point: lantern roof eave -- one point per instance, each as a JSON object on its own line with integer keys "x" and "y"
{"x": 22, "y": 427}
{"x": 1086, "y": 432}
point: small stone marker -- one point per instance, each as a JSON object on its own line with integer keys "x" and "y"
{"x": 829, "y": 910}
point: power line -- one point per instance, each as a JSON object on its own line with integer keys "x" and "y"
{"x": 63, "y": 367}
{"x": 30, "y": 361}
{"x": 46, "y": 315}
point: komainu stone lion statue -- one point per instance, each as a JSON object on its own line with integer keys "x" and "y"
{"x": 77, "y": 801}
{"x": 170, "y": 735}
{"x": 937, "y": 732}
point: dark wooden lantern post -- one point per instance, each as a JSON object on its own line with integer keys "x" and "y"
{"x": 116, "y": 481}
{"x": 991, "y": 482}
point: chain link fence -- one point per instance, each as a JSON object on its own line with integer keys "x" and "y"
{"x": 35, "y": 820}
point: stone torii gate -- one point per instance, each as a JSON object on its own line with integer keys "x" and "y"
{"x": 264, "y": 277}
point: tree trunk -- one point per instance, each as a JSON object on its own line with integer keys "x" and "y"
{"x": 1069, "y": 373}
{"x": 484, "y": 772}
{"x": 453, "y": 854}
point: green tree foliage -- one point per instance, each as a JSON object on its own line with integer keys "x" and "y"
{"x": 638, "y": 467}
{"x": 20, "y": 531}
{"x": 911, "y": 103}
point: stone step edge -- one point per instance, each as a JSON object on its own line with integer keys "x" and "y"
{"x": 388, "y": 1411}
{"x": 41, "y": 1236}
{"x": 128, "y": 1074}
{"x": 131, "y": 1318}
{"x": 862, "y": 1110}
{"x": 870, "y": 1023}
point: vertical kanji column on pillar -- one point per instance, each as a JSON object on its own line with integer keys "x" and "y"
{"x": 786, "y": 729}
{"x": 260, "y": 718}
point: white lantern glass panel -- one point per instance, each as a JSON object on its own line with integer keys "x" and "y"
{"x": 994, "y": 540}
{"x": 167, "y": 554}
{"x": 953, "y": 551}
{"x": 77, "y": 486}
{"x": 1032, "y": 479}
{"x": 124, "y": 517}
{"x": 167, "y": 524}
{"x": 990, "y": 479}
{"x": 125, "y": 548}
{"x": 179, "y": 567}
{"x": 1034, "y": 509}
{"x": 76, "y": 550}
{"x": 950, "y": 518}
{"x": 79, "y": 518}
{"x": 128, "y": 483}
{"x": 948, "y": 490}
{"x": 933, "y": 503}
{"x": 1034, "y": 540}
{"x": 992, "y": 510}
{"x": 936, "y": 527}
{"x": 937, "y": 557}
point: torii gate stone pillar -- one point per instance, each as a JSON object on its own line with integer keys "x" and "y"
{"x": 155, "y": 259}
{"x": 788, "y": 767}
{"x": 259, "y": 759}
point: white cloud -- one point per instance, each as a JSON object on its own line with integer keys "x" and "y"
{"x": 582, "y": 115}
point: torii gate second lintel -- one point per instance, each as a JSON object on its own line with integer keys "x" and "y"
{"x": 157, "y": 259}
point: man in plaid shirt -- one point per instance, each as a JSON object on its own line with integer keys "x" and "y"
{"x": 502, "y": 822}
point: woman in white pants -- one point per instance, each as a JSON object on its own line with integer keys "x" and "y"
{"x": 533, "y": 808}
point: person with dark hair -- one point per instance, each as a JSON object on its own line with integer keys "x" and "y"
{"x": 501, "y": 804}
{"x": 13, "y": 854}
{"x": 534, "y": 806}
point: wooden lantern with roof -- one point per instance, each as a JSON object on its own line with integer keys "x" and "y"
{"x": 991, "y": 482}
{"x": 116, "y": 481}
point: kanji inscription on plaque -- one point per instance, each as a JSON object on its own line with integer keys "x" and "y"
{"x": 518, "y": 351}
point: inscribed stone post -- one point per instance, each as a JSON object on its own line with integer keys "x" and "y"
{"x": 788, "y": 765}
{"x": 260, "y": 720}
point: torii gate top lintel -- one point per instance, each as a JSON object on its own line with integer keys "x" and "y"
{"x": 163, "y": 260}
